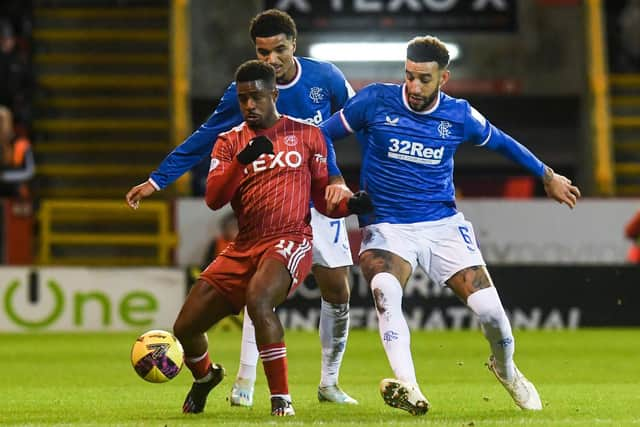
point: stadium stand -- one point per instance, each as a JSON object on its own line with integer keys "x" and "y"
{"x": 104, "y": 119}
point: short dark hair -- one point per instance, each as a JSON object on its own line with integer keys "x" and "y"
{"x": 256, "y": 70}
{"x": 271, "y": 23}
{"x": 428, "y": 49}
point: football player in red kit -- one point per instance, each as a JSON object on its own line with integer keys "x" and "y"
{"x": 268, "y": 167}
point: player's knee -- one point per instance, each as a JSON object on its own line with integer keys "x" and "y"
{"x": 370, "y": 265}
{"x": 386, "y": 291}
{"x": 258, "y": 307}
{"x": 336, "y": 290}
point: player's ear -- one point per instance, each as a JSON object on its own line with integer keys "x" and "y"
{"x": 444, "y": 77}
{"x": 274, "y": 94}
{"x": 293, "y": 45}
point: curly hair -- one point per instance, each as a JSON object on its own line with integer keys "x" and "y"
{"x": 271, "y": 23}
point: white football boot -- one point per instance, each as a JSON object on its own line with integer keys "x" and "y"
{"x": 242, "y": 393}
{"x": 334, "y": 394}
{"x": 522, "y": 391}
{"x": 404, "y": 395}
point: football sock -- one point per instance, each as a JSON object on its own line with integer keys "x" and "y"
{"x": 334, "y": 329}
{"x": 486, "y": 304}
{"x": 248, "y": 350}
{"x": 199, "y": 367}
{"x": 274, "y": 361}
{"x": 394, "y": 330}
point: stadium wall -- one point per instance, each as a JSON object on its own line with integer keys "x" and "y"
{"x": 509, "y": 232}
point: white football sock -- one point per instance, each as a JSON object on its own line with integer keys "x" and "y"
{"x": 486, "y": 304}
{"x": 248, "y": 350}
{"x": 334, "y": 329}
{"x": 394, "y": 331}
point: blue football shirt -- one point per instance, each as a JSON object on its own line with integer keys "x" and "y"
{"x": 318, "y": 90}
{"x": 407, "y": 156}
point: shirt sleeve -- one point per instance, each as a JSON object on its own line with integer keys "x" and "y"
{"x": 225, "y": 173}
{"x": 481, "y": 133}
{"x": 320, "y": 178}
{"x": 332, "y": 165}
{"x": 354, "y": 116}
{"x": 341, "y": 90}
{"x": 199, "y": 144}
{"x": 477, "y": 129}
{"x": 318, "y": 156}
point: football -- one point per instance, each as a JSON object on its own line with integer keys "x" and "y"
{"x": 157, "y": 356}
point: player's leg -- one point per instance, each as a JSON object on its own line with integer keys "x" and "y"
{"x": 334, "y": 330}
{"x": 267, "y": 289}
{"x": 384, "y": 262}
{"x": 203, "y": 308}
{"x": 473, "y": 286}
{"x": 458, "y": 263}
{"x": 242, "y": 389}
{"x": 331, "y": 261}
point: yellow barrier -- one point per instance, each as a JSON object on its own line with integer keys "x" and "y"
{"x": 598, "y": 86}
{"x": 56, "y": 212}
{"x": 180, "y": 60}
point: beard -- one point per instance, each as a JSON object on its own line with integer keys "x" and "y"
{"x": 425, "y": 102}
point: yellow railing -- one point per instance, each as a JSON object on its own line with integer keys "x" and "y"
{"x": 56, "y": 213}
{"x": 180, "y": 60}
{"x": 599, "y": 89}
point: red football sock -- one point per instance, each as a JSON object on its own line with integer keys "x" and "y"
{"x": 199, "y": 366}
{"x": 274, "y": 360}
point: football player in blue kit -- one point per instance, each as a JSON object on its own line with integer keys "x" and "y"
{"x": 412, "y": 133}
{"x": 309, "y": 90}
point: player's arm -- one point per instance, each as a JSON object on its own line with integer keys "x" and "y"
{"x": 337, "y": 188}
{"x": 192, "y": 150}
{"x": 484, "y": 134}
{"x": 348, "y": 202}
{"x": 353, "y": 117}
{"x": 225, "y": 172}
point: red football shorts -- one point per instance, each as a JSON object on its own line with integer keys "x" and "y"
{"x": 231, "y": 271}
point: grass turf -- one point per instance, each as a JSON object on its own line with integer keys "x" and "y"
{"x": 585, "y": 378}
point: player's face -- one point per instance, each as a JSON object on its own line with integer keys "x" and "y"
{"x": 257, "y": 103}
{"x": 278, "y": 51}
{"x": 423, "y": 80}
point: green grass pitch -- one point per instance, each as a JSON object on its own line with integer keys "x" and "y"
{"x": 585, "y": 378}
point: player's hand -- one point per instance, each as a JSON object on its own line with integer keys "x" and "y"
{"x": 360, "y": 203}
{"x": 334, "y": 193}
{"x": 560, "y": 189}
{"x": 255, "y": 148}
{"x": 138, "y": 193}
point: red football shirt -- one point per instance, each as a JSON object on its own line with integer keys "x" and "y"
{"x": 274, "y": 192}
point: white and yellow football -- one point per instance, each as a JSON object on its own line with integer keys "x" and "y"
{"x": 157, "y": 356}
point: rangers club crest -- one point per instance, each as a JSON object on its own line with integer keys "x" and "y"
{"x": 316, "y": 94}
{"x": 443, "y": 129}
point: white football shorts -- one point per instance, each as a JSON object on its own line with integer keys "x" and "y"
{"x": 441, "y": 248}
{"x": 330, "y": 241}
